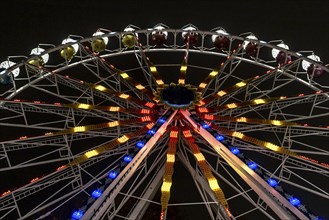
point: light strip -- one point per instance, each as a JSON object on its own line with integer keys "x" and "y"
{"x": 111, "y": 124}
{"x": 258, "y": 142}
{"x": 243, "y": 104}
{"x": 183, "y": 67}
{"x": 219, "y": 69}
{"x": 169, "y": 170}
{"x": 150, "y": 65}
{"x": 251, "y": 120}
{"x": 206, "y": 169}
{"x": 137, "y": 85}
{"x": 106, "y": 147}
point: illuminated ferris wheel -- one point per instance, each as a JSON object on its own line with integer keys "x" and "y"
{"x": 92, "y": 128}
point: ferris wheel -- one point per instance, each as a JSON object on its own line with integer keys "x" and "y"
{"x": 94, "y": 127}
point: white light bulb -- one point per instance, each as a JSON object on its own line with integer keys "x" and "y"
{"x": 130, "y": 29}
{"x": 221, "y": 32}
{"x": 105, "y": 39}
{"x": 306, "y": 64}
{"x": 160, "y": 28}
{"x": 275, "y": 52}
{"x": 38, "y": 51}
{"x": 6, "y": 65}
{"x": 189, "y": 28}
{"x": 246, "y": 42}
{"x": 70, "y": 40}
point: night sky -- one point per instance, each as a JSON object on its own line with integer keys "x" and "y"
{"x": 303, "y": 24}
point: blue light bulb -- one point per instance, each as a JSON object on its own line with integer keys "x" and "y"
{"x": 235, "y": 151}
{"x": 220, "y": 137}
{"x": 112, "y": 174}
{"x": 127, "y": 159}
{"x": 140, "y": 144}
{"x": 151, "y": 131}
{"x": 252, "y": 165}
{"x": 205, "y": 125}
{"x": 96, "y": 193}
{"x": 162, "y": 120}
{"x": 77, "y": 214}
{"x": 272, "y": 182}
{"x": 294, "y": 201}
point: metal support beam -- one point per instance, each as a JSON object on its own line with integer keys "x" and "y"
{"x": 142, "y": 205}
{"x": 264, "y": 190}
{"x": 99, "y": 207}
{"x": 208, "y": 196}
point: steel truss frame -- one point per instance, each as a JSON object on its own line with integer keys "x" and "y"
{"x": 52, "y": 80}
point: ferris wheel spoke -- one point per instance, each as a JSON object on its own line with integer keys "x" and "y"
{"x": 64, "y": 110}
{"x": 169, "y": 170}
{"x": 266, "y": 125}
{"x": 106, "y": 147}
{"x": 32, "y": 142}
{"x": 243, "y": 193}
{"x": 238, "y": 108}
{"x": 206, "y": 171}
{"x": 183, "y": 66}
{"x": 136, "y": 84}
{"x": 152, "y": 68}
{"x": 150, "y": 79}
{"x": 67, "y": 179}
{"x": 131, "y": 192}
{"x": 208, "y": 197}
{"x": 87, "y": 93}
{"x": 291, "y": 131}
{"x": 229, "y": 91}
{"x": 108, "y": 91}
{"x": 100, "y": 126}
{"x": 276, "y": 181}
{"x": 93, "y": 127}
{"x": 120, "y": 95}
{"x": 108, "y": 108}
{"x": 216, "y": 72}
{"x": 306, "y": 184}
{"x": 284, "y": 173}
{"x": 249, "y": 84}
{"x": 238, "y": 163}
{"x": 23, "y": 114}
{"x": 102, "y": 203}
{"x": 131, "y": 81}
{"x": 299, "y": 163}
{"x": 250, "y": 120}
{"x": 90, "y": 90}
{"x": 55, "y": 149}
{"x": 110, "y": 79}
{"x": 265, "y": 144}
{"x": 127, "y": 80}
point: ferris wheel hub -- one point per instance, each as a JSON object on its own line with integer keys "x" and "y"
{"x": 178, "y": 96}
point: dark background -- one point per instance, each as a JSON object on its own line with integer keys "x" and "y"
{"x": 303, "y": 24}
